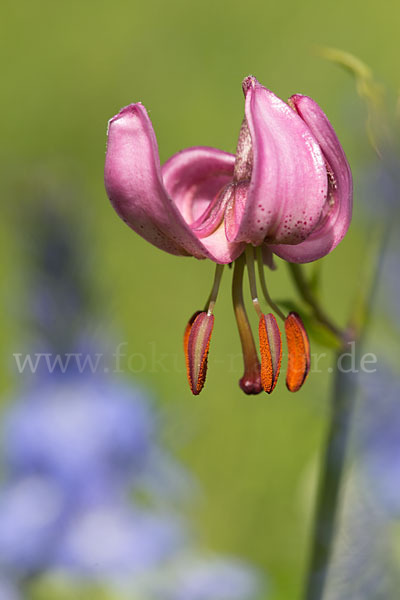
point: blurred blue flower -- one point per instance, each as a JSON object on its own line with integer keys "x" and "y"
{"x": 73, "y": 449}
{"x": 89, "y": 435}
{"x": 378, "y": 438}
{"x": 113, "y": 541}
{"x": 87, "y": 490}
{"x": 391, "y": 279}
{"x": 216, "y": 579}
{"x": 166, "y": 482}
{"x": 60, "y": 299}
{"x": 32, "y": 511}
{"x": 8, "y": 591}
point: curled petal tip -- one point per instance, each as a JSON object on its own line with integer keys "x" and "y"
{"x": 130, "y": 109}
{"x": 299, "y": 358}
{"x": 196, "y": 342}
{"x": 248, "y": 82}
{"x": 336, "y": 214}
{"x": 270, "y": 350}
{"x": 125, "y": 110}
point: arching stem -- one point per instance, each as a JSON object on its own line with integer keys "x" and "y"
{"x": 261, "y": 275}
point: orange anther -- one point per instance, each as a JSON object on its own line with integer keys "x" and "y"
{"x": 271, "y": 351}
{"x": 196, "y": 342}
{"x": 299, "y": 359}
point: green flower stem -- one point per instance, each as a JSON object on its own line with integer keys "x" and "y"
{"x": 309, "y": 297}
{"x": 333, "y": 462}
{"x": 375, "y": 249}
{"x": 342, "y": 407}
{"x": 345, "y": 383}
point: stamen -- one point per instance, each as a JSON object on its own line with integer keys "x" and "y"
{"x": 219, "y": 269}
{"x": 267, "y": 297}
{"x": 299, "y": 358}
{"x": 250, "y": 383}
{"x": 196, "y": 344}
{"x": 271, "y": 351}
{"x": 252, "y": 279}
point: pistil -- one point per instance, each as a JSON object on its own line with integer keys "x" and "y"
{"x": 250, "y": 383}
{"x": 268, "y": 330}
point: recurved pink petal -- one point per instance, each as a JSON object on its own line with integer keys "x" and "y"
{"x": 198, "y": 180}
{"x": 212, "y": 217}
{"x": 336, "y": 216}
{"x": 132, "y": 179}
{"x": 288, "y": 186}
{"x": 135, "y": 187}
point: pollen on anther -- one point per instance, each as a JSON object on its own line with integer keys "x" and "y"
{"x": 270, "y": 350}
{"x": 298, "y": 352}
{"x": 196, "y": 342}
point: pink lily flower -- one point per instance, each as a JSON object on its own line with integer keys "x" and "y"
{"x": 287, "y": 191}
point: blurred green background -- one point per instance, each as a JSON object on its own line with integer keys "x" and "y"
{"x": 70, "y": 66}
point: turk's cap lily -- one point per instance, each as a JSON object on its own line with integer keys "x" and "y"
{"x": 287, "y": 191}
{"x": 289, "y": 185}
